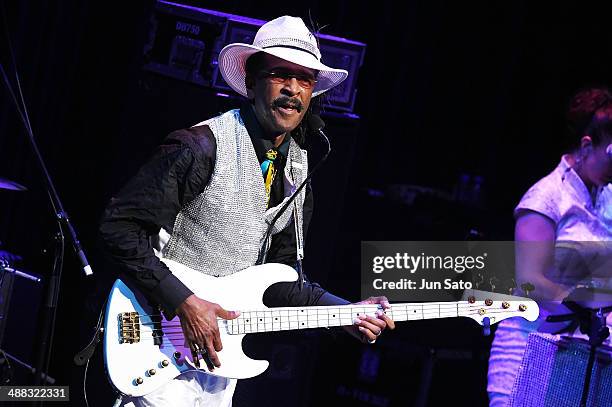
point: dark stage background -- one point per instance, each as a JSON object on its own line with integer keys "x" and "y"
{"x": 448, "y": 90}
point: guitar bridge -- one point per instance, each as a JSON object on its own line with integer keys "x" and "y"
{"x": 129, "y": 327}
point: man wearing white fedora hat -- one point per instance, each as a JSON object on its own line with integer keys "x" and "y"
{"x": 199, "y": 201}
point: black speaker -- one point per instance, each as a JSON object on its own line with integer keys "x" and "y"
{"x": 6, "y": 288}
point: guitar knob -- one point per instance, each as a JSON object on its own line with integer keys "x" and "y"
{"x": 139, "y": 380}
{"x": 471, "y": 299}
{"x": 151, "y": 372}
{"x": 177, "y": 355}
{"x": 164, "y": 363}
{"x": 488, "y": 302}
{"x": 505, "y": 305}
{"x": 522, "y": 307}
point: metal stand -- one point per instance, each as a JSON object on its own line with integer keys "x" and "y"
{"x": 592, "y": 322}
{"x": 59, "y": 213}
{"x": 48, "y": 379}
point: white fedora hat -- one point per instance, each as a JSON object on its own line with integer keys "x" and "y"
{"x": 287, "y": 38}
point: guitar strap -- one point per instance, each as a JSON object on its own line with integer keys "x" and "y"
{"x": 302, "y": 170}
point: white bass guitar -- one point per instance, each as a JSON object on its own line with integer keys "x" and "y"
{"x": 143, "y": 351}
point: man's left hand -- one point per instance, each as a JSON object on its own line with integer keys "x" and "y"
{"x": 368, "y": 328}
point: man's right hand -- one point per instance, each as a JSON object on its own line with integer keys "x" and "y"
{"x": 199, "y": 323}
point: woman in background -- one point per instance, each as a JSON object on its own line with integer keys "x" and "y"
{"x": 563, "y": 232}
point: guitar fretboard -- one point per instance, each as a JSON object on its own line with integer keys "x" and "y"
{"x": 283, "y": 319}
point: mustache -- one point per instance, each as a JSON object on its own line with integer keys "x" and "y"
{"x": 288, "y": 102}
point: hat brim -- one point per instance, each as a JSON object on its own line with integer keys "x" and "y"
{"x": 232, "y": 61}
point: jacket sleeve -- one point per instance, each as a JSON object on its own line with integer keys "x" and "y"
{"x": 176, "y": 173}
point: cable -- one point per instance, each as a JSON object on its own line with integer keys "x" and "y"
{"x": 85, "y": 354}
{"x": 17, "y": 81}
{"x": 9, "y": 367}
{"x": 56, "y": 203}
{"x": 43, "y": 363}
{"x": 85, "y": 383}
{"x": 58, "y": 265}
{"x": 19, "y": 106}
{"x": 317, "y": 124}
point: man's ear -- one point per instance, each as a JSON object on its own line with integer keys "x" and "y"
{"x": 249, "y": 83}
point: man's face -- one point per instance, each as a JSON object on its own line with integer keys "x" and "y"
{"x": 280, "y": 104}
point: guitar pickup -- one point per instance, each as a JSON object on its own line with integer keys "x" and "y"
{"x": 129, "y": 327}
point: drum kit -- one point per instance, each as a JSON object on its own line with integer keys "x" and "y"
{"x": 8, "y": 272}
{"x": 11, "y": 185}
{"x": 7, "y": 258}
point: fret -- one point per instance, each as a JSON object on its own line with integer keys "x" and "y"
{"x": 334, "y": 317}
{"x": 247, "y": 323}
{"x": 259, "y": 320}
{"x": 291, "y": 318}
{"x": 276, "y": 315}
{"x": 403, "y": 312}
{"x": 302, "y": 318}
{"x": 311, "y": 320}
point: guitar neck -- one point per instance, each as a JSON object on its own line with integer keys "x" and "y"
{"x": 291, "y": 318}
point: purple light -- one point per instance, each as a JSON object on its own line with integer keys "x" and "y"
{"x": 252, "y": 21}
{"x": 223, "y": 95}
{"x": 217, "y": 13}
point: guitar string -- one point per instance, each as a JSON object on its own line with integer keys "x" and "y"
{"x": 411, "y": 311}
{"x": 174, "y": 331}
{"x": 178, "y": 334}
{"x": 270, "y": 314}
{"x": 268, "y": 320}
{"x": 429, "y": 305}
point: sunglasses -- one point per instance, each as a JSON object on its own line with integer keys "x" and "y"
{"x": 304, "y": 80}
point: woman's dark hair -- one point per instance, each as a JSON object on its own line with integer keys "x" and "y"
{"x": 590, "y": 113}
{"x": 600, "y": 127}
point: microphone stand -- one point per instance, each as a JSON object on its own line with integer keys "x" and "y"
{"x": 592, "y": 322}
{"x": 263, "y": 252}
{"x": 49, "y": 311}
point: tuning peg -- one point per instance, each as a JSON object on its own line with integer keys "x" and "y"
{"x": 527, "y": 288}
{"x": 513, "y": 286}
{"x": 479, "y": 279}
{"x": 493, "y": 282}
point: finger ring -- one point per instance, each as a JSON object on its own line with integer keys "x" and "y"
{"x": 371, "y": 341}
{"x": 378, "y": 333}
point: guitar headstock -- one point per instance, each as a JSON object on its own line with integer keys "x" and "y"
{"x": 496, "y": 307}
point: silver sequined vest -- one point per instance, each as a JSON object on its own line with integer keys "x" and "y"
{"x": 221, "y": 231}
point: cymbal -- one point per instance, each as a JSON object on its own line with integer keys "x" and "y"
{"x": 11, "y": 185}
{"x": 9, "y": 257}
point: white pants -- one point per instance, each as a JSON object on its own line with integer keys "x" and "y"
{"x": 188, "y": 390}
